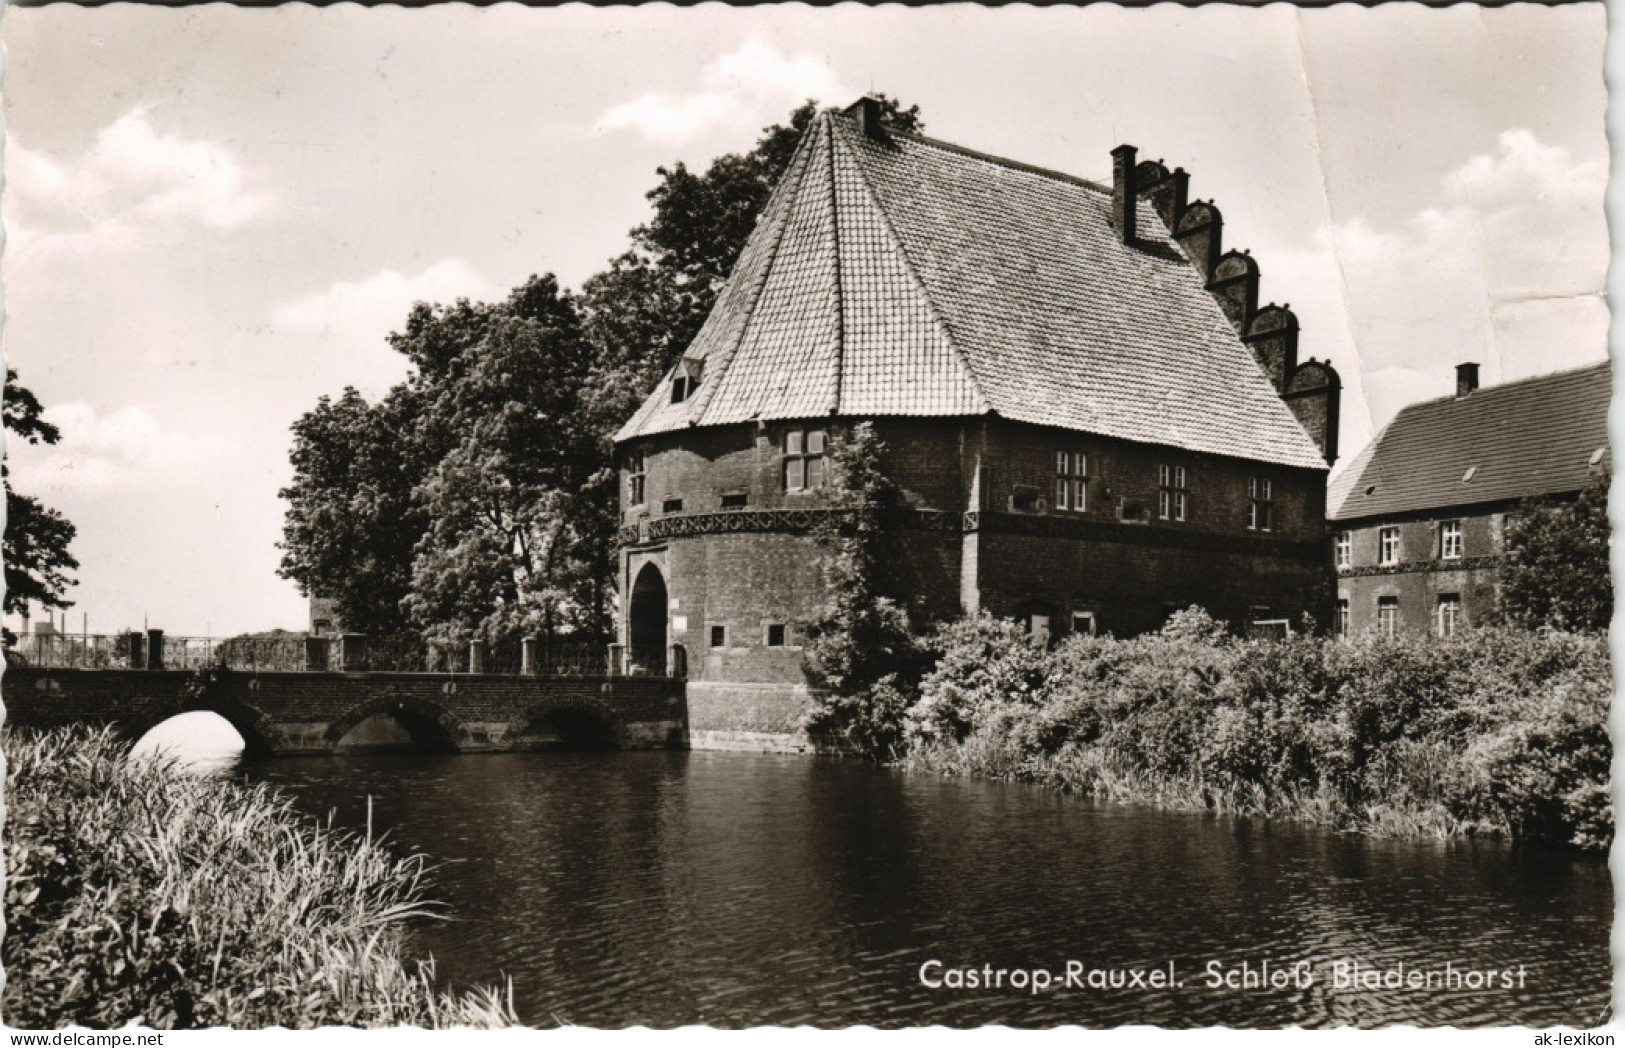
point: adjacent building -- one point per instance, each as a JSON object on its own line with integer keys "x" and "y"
{"x": 1092, "y": 420}
{"x": 1420, "y": 514}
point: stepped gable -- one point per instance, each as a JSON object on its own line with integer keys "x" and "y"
{"x": 1537, "y": 436}
{"x": 892, "y": 274}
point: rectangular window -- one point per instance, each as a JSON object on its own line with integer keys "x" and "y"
{"x": 1450, "y": 540}
{"x": 1260, "y": 504}
{"x": 735, "y": 500}
{"x": 803, "y": 459}
{"x": 672, "y": 506}
{"x": 1345, "y": 549}
{"x": 1388, "y": 546}
{"x": 719, "y": 636}
{"x": 1388, "y": 616}
{"x": 635, "y": 474}
{"x": 1342, "y": 618}
{"x": 775, "y": 634}
{"x": 1449, "y": 613}
{"x": 1172, "y": 496}
{"x": 1083, "y": 622}
{"x": 1072, "y": 481}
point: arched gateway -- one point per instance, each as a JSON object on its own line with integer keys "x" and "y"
{"x": 646, "y": 623}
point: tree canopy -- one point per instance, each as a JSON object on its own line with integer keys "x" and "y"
{"x": 37, "y": 537}
{"x": 1555, "y": 571}
{"x": 478, "y": 496}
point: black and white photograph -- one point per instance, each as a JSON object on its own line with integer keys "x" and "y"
{"x": 785, "y": 516}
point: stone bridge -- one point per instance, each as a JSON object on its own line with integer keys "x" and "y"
{"x": 289, "y": 713}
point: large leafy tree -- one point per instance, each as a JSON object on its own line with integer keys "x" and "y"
{"x": 352, "y": 523}
{"x": 503, "y": 551}
{"x": 37, "y": 537}
{"x": 1555, "y": 571}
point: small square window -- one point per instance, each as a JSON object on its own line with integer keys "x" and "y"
{"x": 672, "y": 506}
{"x": 735, "y": 500}
{"x": 1083, "y": 622}
{"x": 775, "y": 635}
{"x": 719, "y": 636}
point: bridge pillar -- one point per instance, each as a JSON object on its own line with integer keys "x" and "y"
{"x": 353, "y": 652}
{"x": 529, "y": 664}
{"x": 155, "y": 649}
{"x": 138, "y": 651}
{"x": 476, "y": 656}
{"x": 316, "y": 654}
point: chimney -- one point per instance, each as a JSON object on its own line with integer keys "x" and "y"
{"x": 866, "y": 111}
{"x": 1125, "y": 196}
{"x": 1466, "y": 378}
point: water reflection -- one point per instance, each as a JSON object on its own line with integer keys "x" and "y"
{"x": 738, "y": 889}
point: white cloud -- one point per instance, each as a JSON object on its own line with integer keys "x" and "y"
{"x": 744, "y": 86}
{"x": 365, "y": 311}
{"x": 133, "y": 185}
{"x": 1508, "y": 271}
{"x": 101, "y": 452}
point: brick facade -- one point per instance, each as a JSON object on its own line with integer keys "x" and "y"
{"x": 1420, "y": 576}
{"x": 983, "y": 531}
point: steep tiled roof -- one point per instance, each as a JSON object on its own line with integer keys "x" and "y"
{"x": 1533, "y": 437}
{"x": 904, "y": 276}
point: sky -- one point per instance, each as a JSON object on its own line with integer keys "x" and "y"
{"x": 215, "y": 216}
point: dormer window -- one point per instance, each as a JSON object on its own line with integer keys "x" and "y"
{"x": 685, "y": 381}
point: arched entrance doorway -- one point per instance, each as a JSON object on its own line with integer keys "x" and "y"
{"x": 646, "y": 622}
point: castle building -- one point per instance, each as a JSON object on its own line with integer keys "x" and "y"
{"x": 1420, "y": 514}
{"x": 1091, "y": 420}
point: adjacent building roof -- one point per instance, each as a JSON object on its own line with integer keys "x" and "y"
{"x": 899, "y": 275}
{"x": 1538, "y": 436}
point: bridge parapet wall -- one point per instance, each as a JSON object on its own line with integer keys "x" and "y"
{"x": 290, "y": 713}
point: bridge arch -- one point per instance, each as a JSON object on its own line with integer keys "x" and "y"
{"x": 430, "y": 725}
{"x": 569, "y": 722}
{"x": 261, "y": 735}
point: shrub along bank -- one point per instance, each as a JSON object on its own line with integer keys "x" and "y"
{"x": 1495, "y": 732}
{"x": 137, "y": 892}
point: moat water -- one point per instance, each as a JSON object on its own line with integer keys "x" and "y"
{"x": 739, "y": 889}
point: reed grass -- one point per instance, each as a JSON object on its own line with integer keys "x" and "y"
{"x": 138, "y": 892}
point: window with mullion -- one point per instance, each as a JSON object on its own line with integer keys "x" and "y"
{"x": 1072, "y": 480}
{"x": 1172, "y": 495}
{"x": 804, "y": 459}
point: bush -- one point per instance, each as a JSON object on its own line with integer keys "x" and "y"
{"x": 1492, "y": 731}
{"x": 140, "y": 893}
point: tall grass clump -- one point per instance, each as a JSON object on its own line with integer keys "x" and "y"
{"x": 1494, "y": 731}
{"x": 137, "y": 892}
